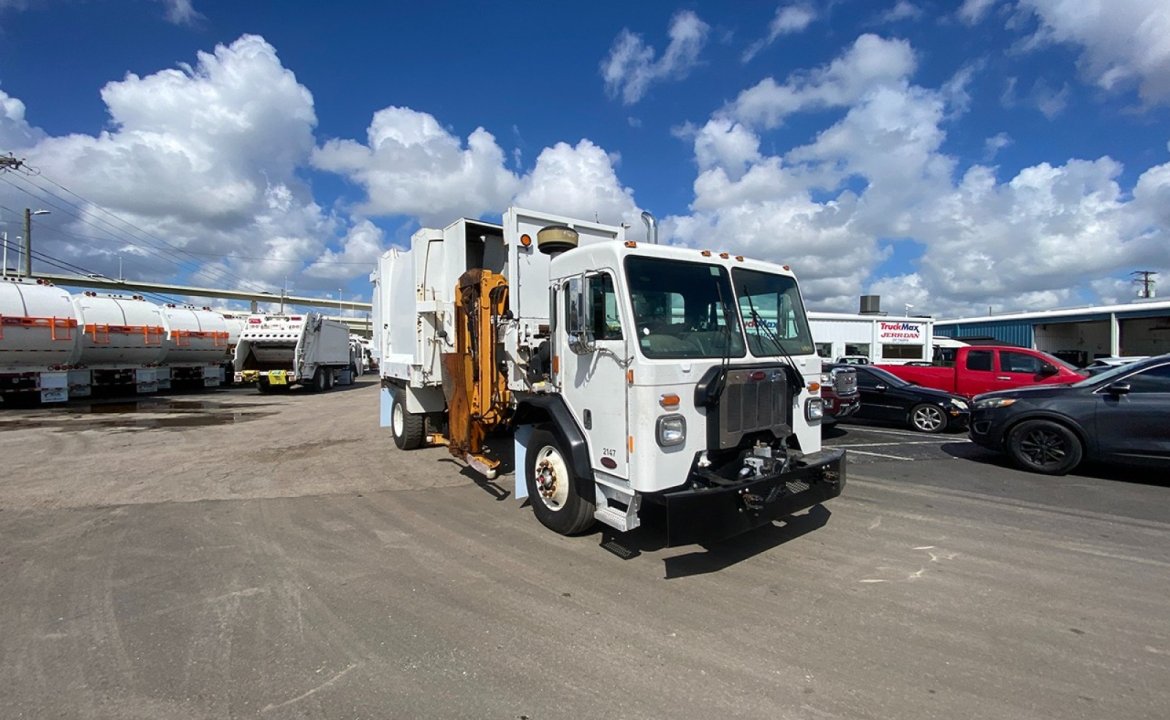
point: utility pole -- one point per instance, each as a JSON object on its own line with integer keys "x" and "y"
{"x": 27, "y": 259}
{"x": 1145, "y": 278}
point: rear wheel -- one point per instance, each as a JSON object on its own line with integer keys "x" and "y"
{"x": 560, "y": 500}
{"x": 263, "y": 386}
{"x": 407, "y": 427}
{"x": 928, "y": 418}
{"x": 1045, "y": 447}
{"x": 319, "y": 380}
{"x": 329, "y": 378}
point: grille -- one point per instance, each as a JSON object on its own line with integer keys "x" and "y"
{"x": 796, "y": 486}
{"x": 844, "y": 381}
{"x": 751, "y": 403}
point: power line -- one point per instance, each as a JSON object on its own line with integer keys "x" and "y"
{"x": 1145, "y": 278}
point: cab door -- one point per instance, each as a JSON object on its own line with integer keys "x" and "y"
{"x": 1133, "y": 416}
{"x": 592, "y": 374}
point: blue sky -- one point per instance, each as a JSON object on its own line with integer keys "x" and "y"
{"x": 951, "y": 156}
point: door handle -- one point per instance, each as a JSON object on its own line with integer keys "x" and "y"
{"x": 1003, "y": 377}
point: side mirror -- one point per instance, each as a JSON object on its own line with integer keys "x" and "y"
{"x": 580, "y": 322}
{"x": 1117, "y": 388}
{"x": 1048, "y": 370}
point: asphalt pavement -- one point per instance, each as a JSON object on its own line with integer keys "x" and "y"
{"x": 276, "y": 557}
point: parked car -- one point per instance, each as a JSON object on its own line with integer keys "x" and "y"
{"x": 885, "y": 396}
{"x": 978, "y": 369}
{"x": 1122, "y": 415}
{"x": 839, "y": 393}
{"x": 1100, "y": 365}
{"x": 853, "y": 360}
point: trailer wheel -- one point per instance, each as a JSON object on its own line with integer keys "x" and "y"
{"x": 407, "y": 427}
{"x": 559, "y": 498}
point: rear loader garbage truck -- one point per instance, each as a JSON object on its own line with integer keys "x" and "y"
{"x": 278, "y": 351}
{"x": 628, "y": 373}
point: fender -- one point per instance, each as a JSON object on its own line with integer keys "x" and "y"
{"x": 540, "y": 408}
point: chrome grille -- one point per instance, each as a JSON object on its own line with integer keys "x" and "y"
{"x": 844, "y": 381}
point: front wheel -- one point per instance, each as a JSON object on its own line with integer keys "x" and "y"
{"x": 1045, "y": 447}
{"x": 928, "y": 418}
{"x": 560, "y": 500}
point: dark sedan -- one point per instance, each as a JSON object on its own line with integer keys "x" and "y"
{"x": 1121, "y": 415}
{"x": 887, "y": 397}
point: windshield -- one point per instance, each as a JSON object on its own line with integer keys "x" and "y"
{"x": 772, "y": 313}
{"x": 1105, "y": 376}
{"x": 882, "y": 376}
{"x": 681, "y": 309}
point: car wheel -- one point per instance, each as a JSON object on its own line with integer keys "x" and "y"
{"x": 928, "y": 418}
{"x": 1045, "y": 447}
{"x": 558, "y": 497}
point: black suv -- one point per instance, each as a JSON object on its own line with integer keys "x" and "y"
{"x": 1121, "y": 415}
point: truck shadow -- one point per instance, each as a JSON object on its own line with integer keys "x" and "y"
{"x": 715, "y": 556}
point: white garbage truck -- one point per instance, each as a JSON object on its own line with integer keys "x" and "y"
{"x": 628, "y": 373}
{"x": 280, "y": 350}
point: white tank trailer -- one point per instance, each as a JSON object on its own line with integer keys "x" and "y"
{"x": 38, "y": 340}
{"x": 281, "y": 350}
{"x": 196, "y": 341}
{"x": 123, "y": 343}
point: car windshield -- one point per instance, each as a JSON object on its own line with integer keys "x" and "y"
{"x": 773, "y": 314}
{"x": 683, "y": 309}
{"x": 1105, "y": 376}
{"x": 885, "y": 377}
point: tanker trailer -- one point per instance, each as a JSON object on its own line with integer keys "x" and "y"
{"x": 122, "y": 341}
{"x": 38, "y": 340}
{"x": 195, "y": 341}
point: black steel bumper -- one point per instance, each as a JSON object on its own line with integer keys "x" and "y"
{"x": 711, "y": 514}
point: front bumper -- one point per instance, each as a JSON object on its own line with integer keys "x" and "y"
{"x": 986, "y": 428}
{"x": 710, "y": 514}
{"x": 839, "y": 409}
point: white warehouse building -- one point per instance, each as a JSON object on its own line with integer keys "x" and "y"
{"x": 881, "y": 338}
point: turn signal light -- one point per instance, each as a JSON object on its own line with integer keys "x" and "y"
{"x": 669, "y": 401}
{"x": 814, "y": 387}
{"x": 526, "y": 240}
{"x": 631, "y": 244}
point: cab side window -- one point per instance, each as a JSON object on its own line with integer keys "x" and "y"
{"x": 607, "y": 324}
{"x": 1154, "y": 380}
{"x": 1017, "y": 362}
{"x": 979, "y": 360}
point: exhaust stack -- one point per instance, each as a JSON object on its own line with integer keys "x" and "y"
{"x": 651, "y": 227}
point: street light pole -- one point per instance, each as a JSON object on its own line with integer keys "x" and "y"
{"x": 28, "y": 214}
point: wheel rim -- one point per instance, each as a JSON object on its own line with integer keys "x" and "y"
{"x": 928, "y": 418}
{"x": 1043, "y": 448}
{"x": 397, "y": 420}
{"x": 552, "y": 478}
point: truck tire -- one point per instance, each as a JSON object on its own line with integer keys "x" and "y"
{"x": 1045, "y": 447}
{"x": 329, "y": 378}
{"x": 928, "y": 418}
{"x": 407, "y": 427}
{"x": 319, "y": 380}
{"x": 560, "y": 501}
{"x": 263, "y": 386}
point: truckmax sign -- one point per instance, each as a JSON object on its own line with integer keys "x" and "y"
{"x": 899, "y": 333}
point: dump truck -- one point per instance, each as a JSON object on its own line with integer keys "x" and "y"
{"x": 281, "y": 350}
{"x": 627, "y": 373}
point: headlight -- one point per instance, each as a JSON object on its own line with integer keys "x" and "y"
{"x": 961, "y": 404}
{"x": 814, "y": 409}
{"x": 671, "y": 430}
{"x": 994, "y": 403}
{"x": 827, "y": 379}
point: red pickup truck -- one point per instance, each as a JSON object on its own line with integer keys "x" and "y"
{"x": 969, "y": 371}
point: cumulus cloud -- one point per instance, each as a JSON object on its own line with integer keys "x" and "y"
{"x": 789, "y": 19}
{"x": 196, "y": 175}
{"x": 902, "y": 10}
{"x": 411, "y": 165}
{"x": 870, "y": 62}
{"x": 879, "y": 173}
{"x": 578, "y": 181}
{"x": 361, "y": 247}
{"x": 15, "y": 132}
{"x": 631, "y": 67}
{"x": 181, "y": 12}
{"x": 972, "y": 12}
{"x": 1122, "y": 41}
